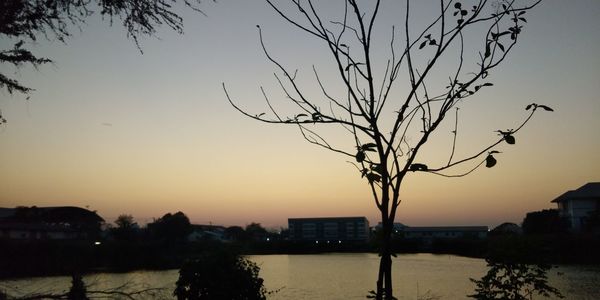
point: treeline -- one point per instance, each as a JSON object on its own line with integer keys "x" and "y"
{"x": 167, "y": 242}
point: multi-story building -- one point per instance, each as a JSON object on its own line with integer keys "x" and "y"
{"x": 335, "y": 229}
{"x": 578, "y": 205}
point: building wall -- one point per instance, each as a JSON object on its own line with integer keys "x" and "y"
{"x": 577, "y": 210}
{"x": 329, "y": 229}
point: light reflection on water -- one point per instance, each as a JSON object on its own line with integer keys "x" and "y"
{"x": 337, "y": 276}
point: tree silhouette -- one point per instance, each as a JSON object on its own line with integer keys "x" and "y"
{"x": 29, "y": 20}
{"x": 126, "y": 228}
{"x": 220, "y": 275}
{"x": 171, "y": 227}
{"x": 388, "y": 123}
{"x": 514, "y": 281}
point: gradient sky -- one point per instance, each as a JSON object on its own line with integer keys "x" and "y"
{"x": 120, "y": 132}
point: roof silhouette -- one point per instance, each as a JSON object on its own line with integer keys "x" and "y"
{"x": 587, "y": 191}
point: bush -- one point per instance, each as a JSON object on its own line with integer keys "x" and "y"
{"x": 514, "y": 281}
{"x": 220, "y": 275}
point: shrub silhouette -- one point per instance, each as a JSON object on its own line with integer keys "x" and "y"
{"x": 220, "y": 276}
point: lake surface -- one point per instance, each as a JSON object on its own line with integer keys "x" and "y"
{"x": 338, "y": 276}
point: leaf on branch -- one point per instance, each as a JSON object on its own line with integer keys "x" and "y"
{"x": 360, "y": 156}
{"x": 488, "y": 51}
{"x": 501, "y": 47}
{"x": 301, "y": 115}
{"x": 260, "y": 115}
{"x": 368, "y": 147}
{"x": 432, "y": 42}
{"x": 377, "y": 168}
{"x": 317, "y": 116}
{"x": 422, "y": 44}
{"x": 372, "y": 177}
{"x": 546, "y": 108}
{"x": 490, "y": 161}
{"x": 418, "y": 167}
{"x": 510, "y": 139}
{"x": 457, "y": 5}
{"x": 364, "y": 172}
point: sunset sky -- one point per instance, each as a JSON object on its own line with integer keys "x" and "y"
{"x": 145, "y": 134}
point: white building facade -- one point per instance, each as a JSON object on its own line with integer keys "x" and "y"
{"x": 577, "y": 205}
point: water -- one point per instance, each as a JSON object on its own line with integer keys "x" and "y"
{"x": 338, "y": 276}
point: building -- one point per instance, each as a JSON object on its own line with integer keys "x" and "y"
{"x": 204, "y": 232}
{"x": 43, "y": 223}
{"x": 335, "y": 230}
{"x": 24, "y": 231}
{"x": 446, "y": 232}
{"x": 577, "y": 205}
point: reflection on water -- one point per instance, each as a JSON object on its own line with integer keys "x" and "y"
{"x": 338, "y": 276}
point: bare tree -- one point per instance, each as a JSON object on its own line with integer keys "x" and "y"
{"x": 389, "y": 122}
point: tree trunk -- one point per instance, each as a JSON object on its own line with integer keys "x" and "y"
{"x": 384, "y": 280}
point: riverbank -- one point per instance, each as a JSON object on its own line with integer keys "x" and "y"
{"x": 51, "y": 258}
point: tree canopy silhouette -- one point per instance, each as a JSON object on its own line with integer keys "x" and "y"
{"x": 30, "y": 20}
{"x": 389, "y": 123}
{"x": 171, "y": 227}
{"x": 220, "y": 275}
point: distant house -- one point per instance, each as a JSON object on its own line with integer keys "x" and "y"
{"x": 335, "y": 229}
{"x": 577, "y": 205}
{"x": 24, "y": 231}
{"x": 203, "y": 232}
{"x": 446, "y": 232}
{"x": 42, "y": 223}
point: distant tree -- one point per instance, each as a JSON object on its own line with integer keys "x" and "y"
{"x": 388, "y": 124}
{"x": 256, "y": 232}
{"x": 126, "y": 227}
{"x": 125, "y": 221}
{"x": 220, "y": 275}
{"x": 514, "y": 281}
{"x": 171, "y": 227}
{"x": 29, "y": 20}
{"x": 545, "y": 221}
{"x": 506, "y": 229}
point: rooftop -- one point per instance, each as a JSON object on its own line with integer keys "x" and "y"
{"x": 587, "y": 191}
